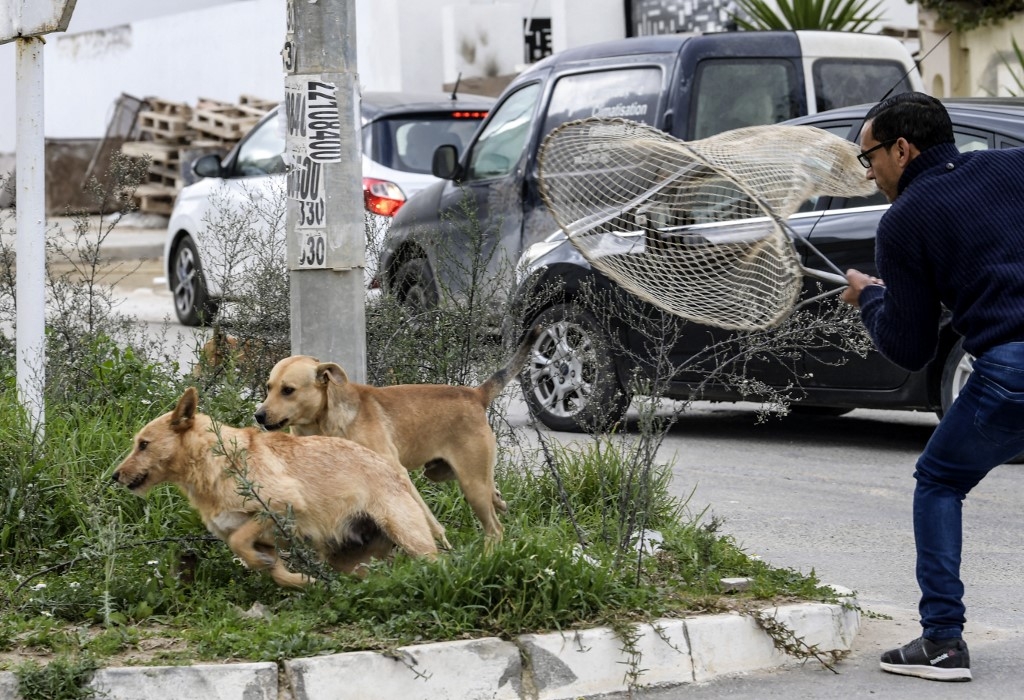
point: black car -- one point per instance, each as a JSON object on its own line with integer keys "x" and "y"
{"x": 579, "y": 370}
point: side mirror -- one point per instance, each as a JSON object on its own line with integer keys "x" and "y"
{"x": 445, "y": 164}
{"x": 207, "y": 166}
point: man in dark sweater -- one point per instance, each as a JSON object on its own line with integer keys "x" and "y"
{"x": 953, "y": 237}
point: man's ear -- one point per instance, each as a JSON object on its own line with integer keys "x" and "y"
{"x": 905, "y": 151}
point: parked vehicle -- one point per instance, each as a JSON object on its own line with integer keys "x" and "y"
{"x": 575, "y": 369}
{"x": 691, "y": 86}
{"x": 400, "y": 132}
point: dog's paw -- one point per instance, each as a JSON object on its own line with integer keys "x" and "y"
{"x": 266, "y": 560}
{"x": 499, "y": 503}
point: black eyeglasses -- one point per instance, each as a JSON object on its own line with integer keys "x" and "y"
{"x": 863, "y": 157}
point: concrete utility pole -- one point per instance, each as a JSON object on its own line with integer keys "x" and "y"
{"x": 24, "y": 23}
{"x": 326, "y": 240}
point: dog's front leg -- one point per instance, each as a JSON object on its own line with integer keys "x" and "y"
{"x": 243, "y": 543}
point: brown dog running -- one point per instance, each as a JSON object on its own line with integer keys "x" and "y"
{"x": 439, "y": 427}
{"x": 342, "y": 498}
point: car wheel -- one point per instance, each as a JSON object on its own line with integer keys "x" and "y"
{"x": 191, "y": 302}
{"x": 959, "y": 366}
{"x": 414, "y": 283}
{"x": 571, "y": 383}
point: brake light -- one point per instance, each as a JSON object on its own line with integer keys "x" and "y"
{"x": 382, "y": 197}
{"x": 469, "y": 115}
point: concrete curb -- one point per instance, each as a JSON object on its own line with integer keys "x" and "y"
{"x": 558, "y": 666}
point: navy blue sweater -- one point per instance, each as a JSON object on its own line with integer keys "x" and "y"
{"x": 954, "y": 236}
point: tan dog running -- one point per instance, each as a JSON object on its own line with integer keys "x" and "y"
{"x": 344, "y": 499}
{"x": 439, "y": 427}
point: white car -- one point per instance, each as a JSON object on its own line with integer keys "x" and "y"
{"x": 241, "y": 198}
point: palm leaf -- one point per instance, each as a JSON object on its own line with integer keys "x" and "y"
{"x": 828, "y": 15}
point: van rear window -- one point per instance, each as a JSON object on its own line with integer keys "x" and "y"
{"x": 731, "y": 93}
{"x": 840, "y": 82}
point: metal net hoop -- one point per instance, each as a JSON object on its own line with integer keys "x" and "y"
{"x": 695, "y": 228}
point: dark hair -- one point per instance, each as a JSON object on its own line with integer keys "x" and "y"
{"x": 920, "y": 119}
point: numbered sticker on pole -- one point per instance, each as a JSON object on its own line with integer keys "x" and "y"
{"x": 323, "y": 127}
{"x": 313, "y": 138}
{"x": 313, "y": 249}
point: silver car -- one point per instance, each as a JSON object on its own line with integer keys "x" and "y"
{"x": 242, "y": 196}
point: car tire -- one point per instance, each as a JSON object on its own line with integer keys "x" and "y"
{"x": 957, "y": 368}
{"x": 571, "y": 383}
{"x": 192, "y": 304}
{"x": 414, "y": 283}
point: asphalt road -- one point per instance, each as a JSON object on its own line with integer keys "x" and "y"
{"x": 833, "y": 496}
{"x": 829, "y": 495}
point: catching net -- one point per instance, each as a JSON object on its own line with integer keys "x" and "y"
{"x": 696, "y": 228}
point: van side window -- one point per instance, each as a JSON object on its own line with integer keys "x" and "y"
{"x": 840, "y": 82}
{"x": 732, "y": 93}
{"x": 499, "y": 147}
{"x": 629, "y": 93}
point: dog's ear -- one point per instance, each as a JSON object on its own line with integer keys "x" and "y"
{"x": 330, "y": 372}
{"x": 185, "y": 411}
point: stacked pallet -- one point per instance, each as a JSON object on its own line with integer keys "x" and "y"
{"x": 173, "y": 134}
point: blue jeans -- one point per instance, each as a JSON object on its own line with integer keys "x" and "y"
{"x": 982, "y": 429}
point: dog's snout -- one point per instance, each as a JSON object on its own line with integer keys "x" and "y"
{"x": 116, "y": 477}
{"x": 261, "y": 416}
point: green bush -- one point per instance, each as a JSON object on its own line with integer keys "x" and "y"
{"x": 88, "y": 571}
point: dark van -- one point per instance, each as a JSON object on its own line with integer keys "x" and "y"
{"x": 691, "y": 86}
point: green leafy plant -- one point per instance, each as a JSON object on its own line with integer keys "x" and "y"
{"x": 1016, "y": 70}
{"x": 90, "y": 573}
{"x": 830, "y": 15}
{"x": 64, "y": 678}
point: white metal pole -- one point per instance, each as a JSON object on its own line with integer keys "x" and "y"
{"x": 30, "y": 244}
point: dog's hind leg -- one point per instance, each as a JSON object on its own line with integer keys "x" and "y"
{"x": 243, "y": 542}
{"x": 407, "y": 526}
{"x": 351, "y": 560}
{"x": 474, "y": 465}
{"x": 436, "y": 528}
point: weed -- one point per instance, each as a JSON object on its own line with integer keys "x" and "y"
{"x": 88, "y": 571}
{"x": 64, "y": 678}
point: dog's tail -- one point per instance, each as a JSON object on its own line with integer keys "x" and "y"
{"x": 490, "y": 389}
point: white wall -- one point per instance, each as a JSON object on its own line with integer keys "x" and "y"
{"x": 220, "y": 52}
{"x": 581, "y": 22}
{"x": 181, "y": 50}
{"x": 482, "y": 40}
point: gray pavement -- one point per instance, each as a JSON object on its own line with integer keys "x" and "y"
{"x": 135, "y": 237}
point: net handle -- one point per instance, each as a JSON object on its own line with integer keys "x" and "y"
{"x": 825, "y": 276}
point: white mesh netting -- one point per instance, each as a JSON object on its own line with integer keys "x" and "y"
{"x": 694, "y": 227}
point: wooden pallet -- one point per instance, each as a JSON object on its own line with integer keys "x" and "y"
{"x": 255, "y": 106}
{"x": 166, "y": 177}
{"x": 168, "y": 128}
{"x": 164, "y": 155}
{"x": 155, "y": 199}
{"x": 227, "y": 122}
{"x": 155, "y": 104}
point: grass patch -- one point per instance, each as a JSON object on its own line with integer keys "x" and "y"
{"x": 91, "y": 572}
{"x": 91, "y": 575}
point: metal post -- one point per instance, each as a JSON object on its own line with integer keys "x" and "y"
{"x": 326, "y": 239}
{"x": 30, "y": 244}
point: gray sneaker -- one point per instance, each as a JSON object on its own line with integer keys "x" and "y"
{"x": 936, "y": 660}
